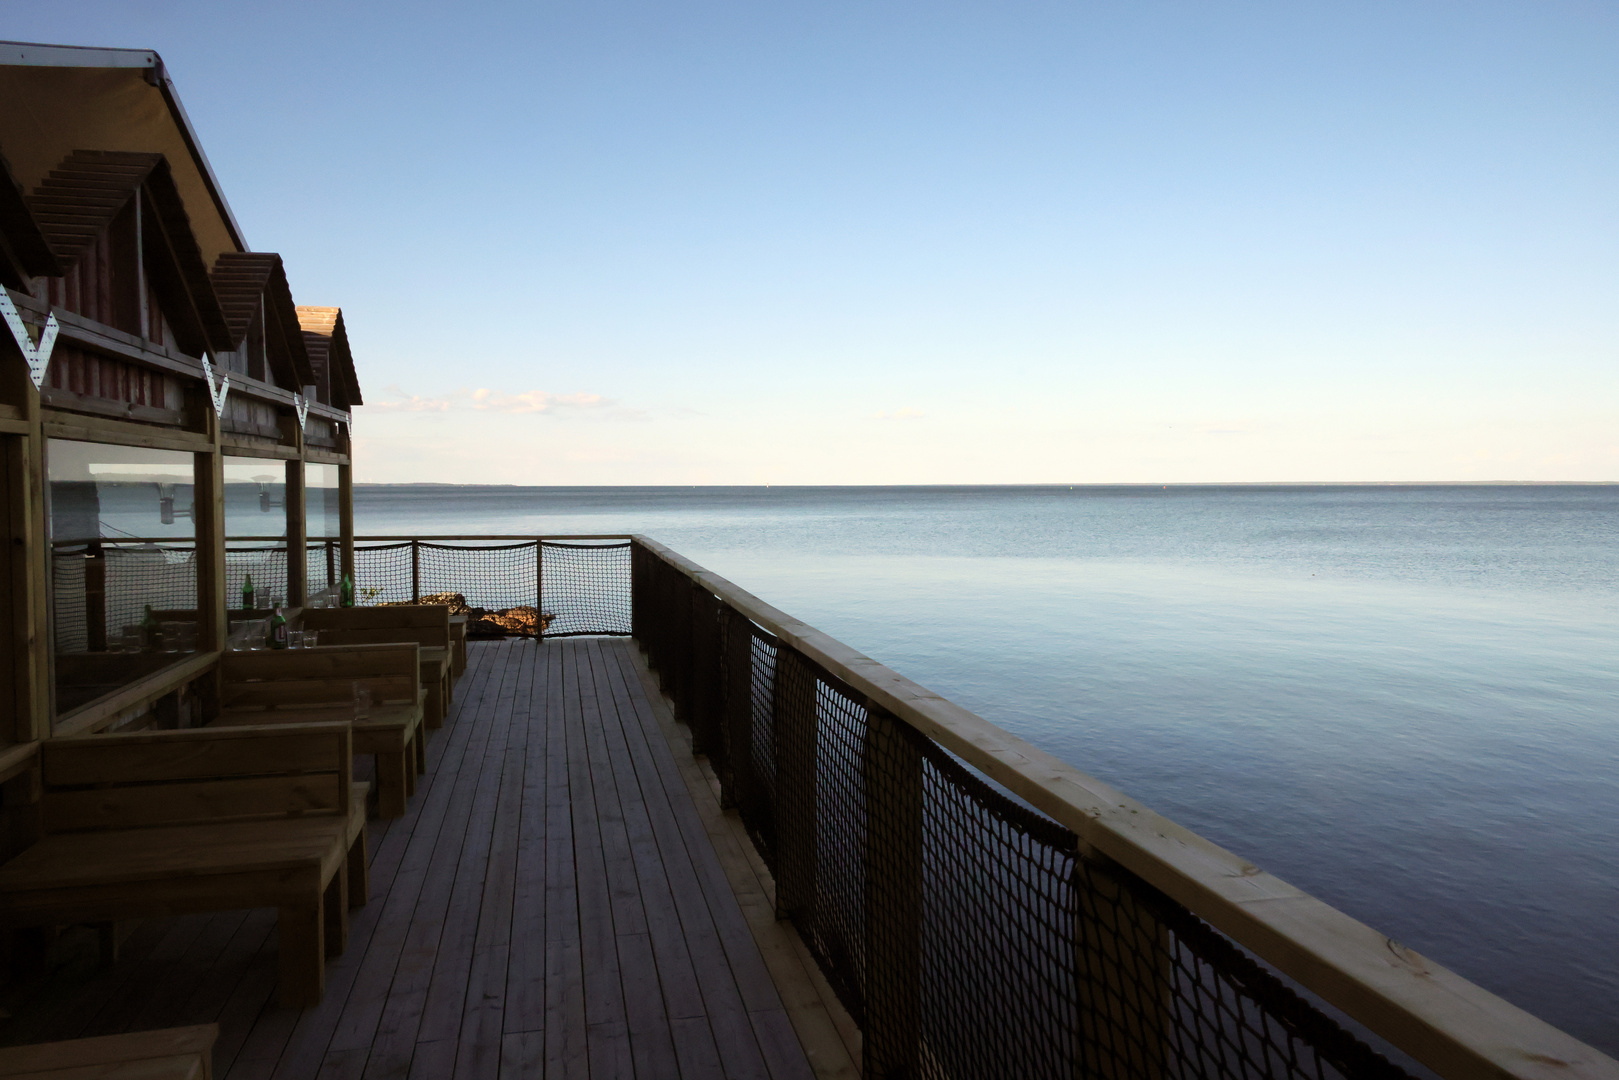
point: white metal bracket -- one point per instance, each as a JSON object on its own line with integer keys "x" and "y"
{"x": 300, "y": 405}
{"x": 38, "y": 356}
{"x": 218, "y": 396}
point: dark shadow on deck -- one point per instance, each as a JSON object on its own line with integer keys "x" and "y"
{"x": 550, "y": 905}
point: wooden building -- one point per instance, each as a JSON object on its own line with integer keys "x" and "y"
{"x": 161, "y": 393}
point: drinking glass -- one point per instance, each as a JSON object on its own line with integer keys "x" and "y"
{"x": 295, "y": 639}
{"x": 362, "y": 701}
{"x": 311, "y": 638}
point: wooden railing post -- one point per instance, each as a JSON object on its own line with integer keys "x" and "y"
{"x": 539, "y": 588}
{"x": 637, "y": 609}
{"x": 1124, "y": 978}
{"x": 415, "y": 571}
{"x": 893, "y": 872}
{"x": 794, "y": 718}
{"x": 703, "y": 633}
{"x": 736, "y": 782}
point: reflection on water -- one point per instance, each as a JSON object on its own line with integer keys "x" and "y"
{"x": 1404, "y": 700}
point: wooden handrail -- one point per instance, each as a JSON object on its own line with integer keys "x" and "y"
{"x": 1451, "y": 1025}
{"x": 105, "y": 710}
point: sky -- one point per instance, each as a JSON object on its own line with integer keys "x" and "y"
{"x": 880, "y": 242}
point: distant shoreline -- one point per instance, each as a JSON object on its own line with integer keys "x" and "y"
{"x": 992, "y": 487}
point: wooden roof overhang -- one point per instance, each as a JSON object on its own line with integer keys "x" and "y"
{"x": 79, "y": 199}
{"x": 328, "y": 344}
{"x": 247, "y": 282}
{"x": 61, "y": 97}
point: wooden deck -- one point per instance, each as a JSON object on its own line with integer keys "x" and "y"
{"x": 550, "y": 905}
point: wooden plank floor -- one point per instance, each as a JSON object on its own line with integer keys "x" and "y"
{"x": 550, "y": 905}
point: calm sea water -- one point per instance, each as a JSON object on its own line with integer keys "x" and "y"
{"x": 1404, "y": 700}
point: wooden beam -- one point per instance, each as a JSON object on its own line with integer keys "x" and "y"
{"x": 27, "y": 536}
{"x": 1454, "y": 1027}
{"x": 81, "y": 428}
{"x": 208, "y": 512}
{"x": 345, "y": 510}
{"x": 254, "y": 446}
{"x": 68, "y": 401}
{"x": 297, "y": 536}
{"x": 324, "y": 457}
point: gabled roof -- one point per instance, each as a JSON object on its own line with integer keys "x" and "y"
{"x": 23, "y": 250}
{"x": 243, "y": 280}
{"x": 79, "y": 198}
{"x": 328, "y": 344}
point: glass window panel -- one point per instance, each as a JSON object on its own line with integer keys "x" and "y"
{"x": 255, "y": 532}
{"x": 323, "y": 516}
{"x": 123, "y": 565}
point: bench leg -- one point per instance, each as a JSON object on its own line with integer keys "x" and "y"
{"x": 336, "y": 913}
{"x": 110, "y": 937}
{"x": 302, "y": 959}
{"x": 420, "y": 742}
{"x": 391, "y": 792}
{"x": 410, "y": 766}
{"x": 359, "y": 872}
{"x": 433, "y": 714}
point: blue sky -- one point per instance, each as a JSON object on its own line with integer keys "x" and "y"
{"x": 924, "y": 243}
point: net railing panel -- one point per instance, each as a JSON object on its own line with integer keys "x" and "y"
{"x": 585, "y": 588}
{"x": 526, "y": 588}
{"x": 105, "y": 589}
{"x": 265, "y": 564}
{"x": 967, "y": 934}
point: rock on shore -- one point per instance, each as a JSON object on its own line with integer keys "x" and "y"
{"x": 521, "y": 621}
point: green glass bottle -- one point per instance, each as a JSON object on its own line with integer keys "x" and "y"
{"x": 346, "y": 598}
{"x": 247, "y": 592}
{"x": 278, "y": 630}
{"x": 149, "y": 629}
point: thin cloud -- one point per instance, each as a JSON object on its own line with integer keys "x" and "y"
{"x": 487, "y": 400}
{"x": 900, "y": 414}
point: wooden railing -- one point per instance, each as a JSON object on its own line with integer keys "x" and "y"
{"x": 1443, "y": 1021}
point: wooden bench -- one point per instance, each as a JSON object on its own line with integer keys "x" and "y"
{"x": 273, "y": 686}
{"x": 159, "y": 823}
{"x": 428, "y": 625}
{"x": 184, "y": 1053}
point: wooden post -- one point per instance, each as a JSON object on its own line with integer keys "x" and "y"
{"x": 1124, "y": 978}
{"x": 297, "y": 536}
{"x": 539, "y": 589}
{"x": 415, "y": 571}
{"x": 36, "y": 689}
{"x": 794, "y": 715}
{"x": 24, "y": 708}
{"x": 702, "y": 629}
{"x": 736, "y": 783}
{"x": 208, "y": 513}
{"x": 345, "y": 515}
{"x": 892, "y": 762}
